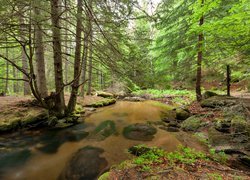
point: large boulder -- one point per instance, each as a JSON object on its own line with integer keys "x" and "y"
{"x": 139, "y": 131}
{"x": 86, "y": 163}
{"x": 218, "y": 102}
{"x": 209, "y": 94}
{"x": 193, "y": 123}
{"x": 182, "y": 114}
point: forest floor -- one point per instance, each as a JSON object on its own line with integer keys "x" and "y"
{"x": 18, "y": 112}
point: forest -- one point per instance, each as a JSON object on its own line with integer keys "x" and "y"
{"x": 165, "y": 81}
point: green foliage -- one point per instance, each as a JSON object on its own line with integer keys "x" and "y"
{"x": 152, "y": 156}
{"x": 162, "y": 93}
{"x": 185, "y": 155}
{"x": 220, "y": 157}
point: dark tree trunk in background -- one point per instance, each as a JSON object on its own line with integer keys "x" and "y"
{"x": 67, "y": 45}
{"x": 7, "y": 73}
{"x": 84, "y": 59}
{"x": 40, "y": 64}
{"x": 90, "y": 50}
{"x": 77, "y": 63}
{"x": 228, "y": 80}
{"x": 57, "y": 50}
{"x": 15, "y": 84}
{"x": 23, "y": 30}
{"x": 199, "y": 60}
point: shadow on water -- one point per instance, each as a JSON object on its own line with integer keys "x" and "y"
{"x": 53, "y": 139}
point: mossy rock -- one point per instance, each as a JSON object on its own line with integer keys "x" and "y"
{"x": 138, "y": 150}
{"x": 217, "y": 138}
{"x": 23, "y": 119}
{"x": 79, "y": 109}
{"x": 104, "y": 94}
{"x": 222, "y": 125}
{"x": 209, "y": 94}
{"x": 240, "y": 125}
{"x": 139, "y": 131}
{"x": 102, "y": 103}
{"x": 182, "y": 114}
{"x": 193, "y": 123}
{"x": 218, "y": 101}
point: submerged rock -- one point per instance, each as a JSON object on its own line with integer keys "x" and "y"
{"x": 86, "y": 163}
{"x": 13, "y": 159}
{"x": 104, "y": 130}
{"x": 139, "y": 131}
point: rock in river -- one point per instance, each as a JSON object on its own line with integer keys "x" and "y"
{"x": 85, "y": 164}
{"x": 139, "y": 131}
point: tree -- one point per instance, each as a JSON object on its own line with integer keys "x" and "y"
{"x": 199, "y": 58}
{"x": 77, "y": 62}
{"x": 39, "y": 49}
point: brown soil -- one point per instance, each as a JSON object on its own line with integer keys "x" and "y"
{"x": 198, "y": 170}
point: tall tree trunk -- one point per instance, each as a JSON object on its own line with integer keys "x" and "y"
{"x": 57, "y": 50}
{"x": 77, "y": 63}
{"x": 7, "y": 72}
{"x": 26, "y": 86}
{"x": 66, "y": 49}
{"x": 90, "y": 67}
{"x": 85, "y": 59}
{"x": 40, "y": 64}
{"x": 90, "y": 49}
{"x": 15, "y": 84}
{"x": 228, "y": 80}
{"x": 199, "y": 60}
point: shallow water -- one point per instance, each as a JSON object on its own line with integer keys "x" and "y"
{"x": 46, "y": 154}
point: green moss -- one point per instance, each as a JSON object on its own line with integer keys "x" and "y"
{"x": 102, "y": 103}
{"x": 104, "y": 176}
{"x": 193, "y": 123}
{"x": 182, "y": 114}
{"x": 240, "y": 125}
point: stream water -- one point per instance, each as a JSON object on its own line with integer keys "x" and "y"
{"x": 87, "y": 148}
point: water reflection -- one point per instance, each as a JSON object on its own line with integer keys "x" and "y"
{"x": 99, "y": 140}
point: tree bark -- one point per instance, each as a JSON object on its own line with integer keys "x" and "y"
{"x": 67, "y": 50}
{"x": 26, "y": 87}
{"x": 57, "y": 50}
{"x": 90, "y": 50}
{"x": 40, "y": 63}
{"x": 15, "y": 84}
{"x": 228, "y": 80}
{"x": 199, "y": 60}
{"x": 7, "y": 72}
{"x": 77, "y": 62}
